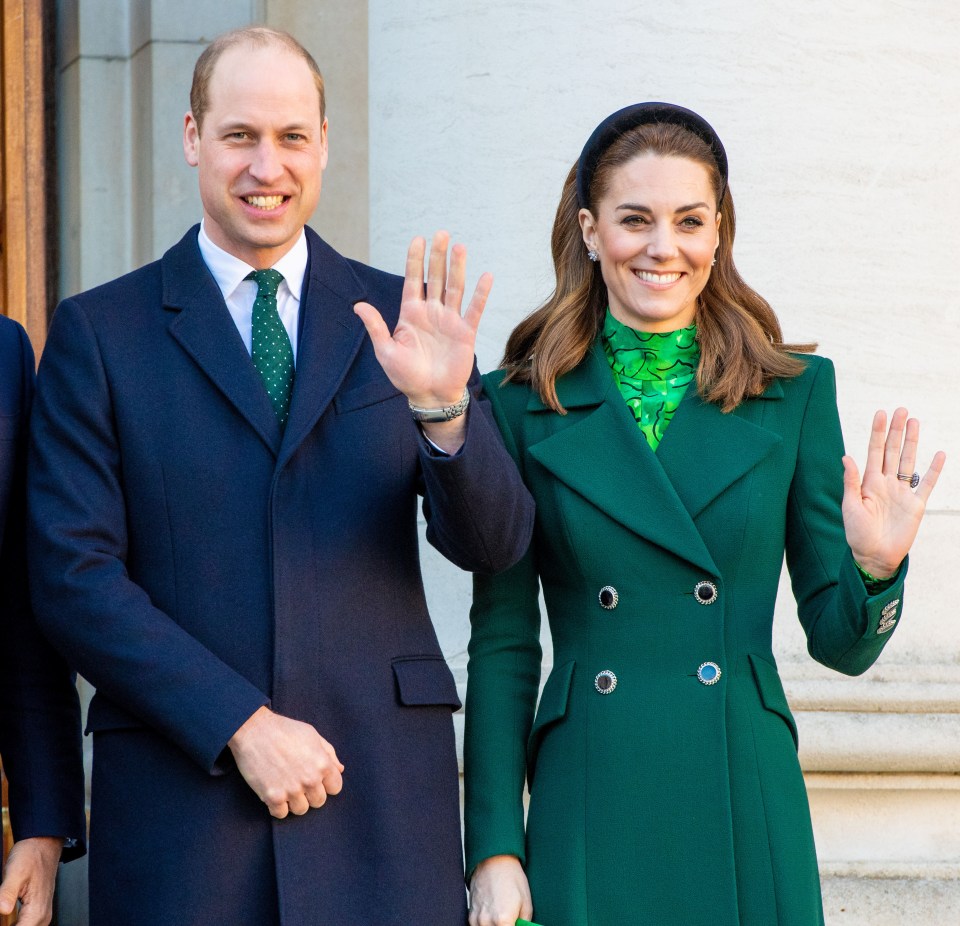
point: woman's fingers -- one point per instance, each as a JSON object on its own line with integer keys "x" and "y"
{"x": 876, "y": 444}
{"x": 894, "y": 453}
{"x": 908, "y": 453}
{"x": 931, "y": 476}
{"x": 893, "y": 446}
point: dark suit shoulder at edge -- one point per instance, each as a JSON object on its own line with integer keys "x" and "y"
{"x": 143, "y": 283}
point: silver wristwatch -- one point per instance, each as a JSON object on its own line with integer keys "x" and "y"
{"x": 445, "y": 413}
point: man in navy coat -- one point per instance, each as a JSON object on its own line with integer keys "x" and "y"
{"x": 233, "y": 562}
{"x": 39, "y": 710}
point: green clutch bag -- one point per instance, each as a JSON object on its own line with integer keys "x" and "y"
{"x": 525, "y": 923}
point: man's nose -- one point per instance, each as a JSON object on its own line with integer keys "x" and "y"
{"x": 266, "y": 166}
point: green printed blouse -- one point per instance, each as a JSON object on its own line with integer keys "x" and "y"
{"x": 652, "y": 371}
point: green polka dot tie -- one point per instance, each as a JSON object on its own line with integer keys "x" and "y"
{"x": 272, "y": 353}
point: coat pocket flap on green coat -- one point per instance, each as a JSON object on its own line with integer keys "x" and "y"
{"x": 552, "y": 707}
{"x": 772, "y": 694}
{"x": 425, "y": 680}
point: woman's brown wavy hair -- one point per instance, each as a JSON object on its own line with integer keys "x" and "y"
{"x": 741, "y": 343}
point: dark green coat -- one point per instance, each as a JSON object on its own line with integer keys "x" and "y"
{"x": 665, "y": 801}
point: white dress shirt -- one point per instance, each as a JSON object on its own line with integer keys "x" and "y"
{"x": 240, "y": 293}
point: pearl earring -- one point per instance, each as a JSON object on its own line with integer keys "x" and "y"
{"x": 593, "y": 255}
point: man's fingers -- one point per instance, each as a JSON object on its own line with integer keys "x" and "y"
{"x": 333, "y": 780}
{"x": 277, "y": 802}
{"x": 479, "y": 300}
{"x": 437, "y": 268}
{"x": 374, "y": 323}
{"x": 8, "y": 897}
{"x": 33, "y": 915}
{"x": 413, "y": 275}
{"x": 299, "y": 805}
{"x": 456, "y": 278}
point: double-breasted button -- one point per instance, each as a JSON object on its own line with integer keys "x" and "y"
{"x": 705, "y": 592}
{"x": 609, "y": 597}
{"x": 605, "y": 682}
{"x": 709, "y": 673}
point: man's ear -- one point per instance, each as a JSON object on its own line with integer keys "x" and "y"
{"x": 323, "y": 144}
{"x": 191, "y": 140}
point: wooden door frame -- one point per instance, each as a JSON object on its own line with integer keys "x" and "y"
{"x": 27, "y": 165}
{"x": 26, "y": 170}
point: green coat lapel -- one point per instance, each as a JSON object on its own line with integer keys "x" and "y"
{"x": 598, "y": 451}
{"x": 704, "y": 451}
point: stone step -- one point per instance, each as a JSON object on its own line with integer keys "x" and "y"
{"x": 862, "y": 898}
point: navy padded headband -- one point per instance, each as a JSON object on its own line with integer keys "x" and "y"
{"x": 622, "y": 121}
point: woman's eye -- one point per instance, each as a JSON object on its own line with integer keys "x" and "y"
{"x": 691, "y": 221}
{"x": 634, "y": 220}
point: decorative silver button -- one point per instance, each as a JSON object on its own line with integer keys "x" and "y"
{"x": 709, "y": 673}
{"x": 705, "y": 592}
{"x": 605, "y": 682}
{"x": 609, "y": 597}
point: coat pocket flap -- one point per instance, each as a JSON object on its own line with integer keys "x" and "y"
{"x": 425, "y": 680}
{"x": 105, "y": 715}
{"x": 772, "y": 694}
{"x": 379, "y": 390}
{"x": 552, "y": 707}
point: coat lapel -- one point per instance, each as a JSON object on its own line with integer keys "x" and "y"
{"x": 330, "y": 337}
{"x": 603, "y": 456}
{"x": 704, "y": 451}
{"x": 204, "y": 329}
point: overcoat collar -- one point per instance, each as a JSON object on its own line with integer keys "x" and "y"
{"x": 330, "y": 337}
{"x": 602, "y": 455}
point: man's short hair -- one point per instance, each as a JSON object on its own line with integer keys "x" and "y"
{"x": 258, "y": 36}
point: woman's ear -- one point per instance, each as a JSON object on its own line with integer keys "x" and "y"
{"x": 588, "y": 228}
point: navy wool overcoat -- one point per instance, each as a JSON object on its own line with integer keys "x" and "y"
{"x": 196, "y": 563}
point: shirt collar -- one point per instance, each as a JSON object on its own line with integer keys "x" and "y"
{"x": 229, "y": 271}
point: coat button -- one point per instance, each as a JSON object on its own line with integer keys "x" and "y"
{"x": 705, "y": 592}
{"x": 605, "y": 682}
{"x": 709, "y": 673}
{"x": 609, "y": 597}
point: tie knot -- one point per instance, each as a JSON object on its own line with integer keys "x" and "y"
{"x": 268, "y": 281}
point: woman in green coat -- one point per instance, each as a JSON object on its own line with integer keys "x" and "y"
{"x": 676, "y": 448}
